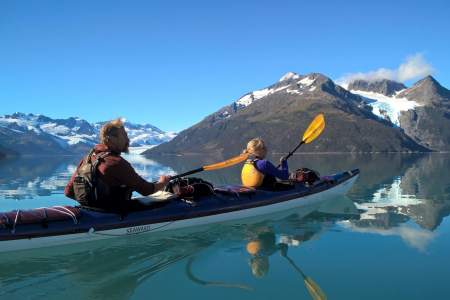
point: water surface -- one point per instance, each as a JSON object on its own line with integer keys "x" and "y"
{"x": 387, "y": 239}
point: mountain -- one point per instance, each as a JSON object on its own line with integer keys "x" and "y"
{"x": 383, "y": 97}
{"x": 428, "y": 124}
{"x": 143, "y": 135}
{"x": 385, "y": 87}
{"x": 422, "y": 111}
{"x": 37, "y": 134}
{"x": 428, "y": 92}
{"x": 281, "y": 112}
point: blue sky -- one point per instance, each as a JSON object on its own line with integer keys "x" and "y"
{"x": 171, "y": 63}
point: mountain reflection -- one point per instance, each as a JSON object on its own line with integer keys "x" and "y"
{"x": 419, "y": 195}
{"x": 32, "y": 177}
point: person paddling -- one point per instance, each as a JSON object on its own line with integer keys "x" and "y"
{"x": 105, "y": 180}
{"x": 259, "y": 172}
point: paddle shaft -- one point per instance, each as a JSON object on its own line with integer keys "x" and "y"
{"x": 295, "y": 267}
{"x": 187, "y": 173}
{"x": 295, "y": 149}
{"x": 292, "y": 152}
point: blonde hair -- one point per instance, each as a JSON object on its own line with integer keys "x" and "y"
{"x": 255, "y": 145}
{"x": 111, "y": 130}
{"x": 259, "y": 266}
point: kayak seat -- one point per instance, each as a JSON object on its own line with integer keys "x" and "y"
{"x": 234, "y": 190}
{"x": 39, "y": 216}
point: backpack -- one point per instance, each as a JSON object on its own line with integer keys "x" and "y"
{"x": 306, "y": 176}
{"x": 190, "y": 188}
{"x": 87, "y": 187}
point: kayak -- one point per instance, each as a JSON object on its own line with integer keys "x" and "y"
{"x": 61, "y": 225}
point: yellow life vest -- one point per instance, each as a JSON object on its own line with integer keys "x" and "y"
{"x": 250, "y": 176}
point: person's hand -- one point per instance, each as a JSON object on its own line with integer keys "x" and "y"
{"x": 283, "y": 158}
{"x": 164, "y": 179}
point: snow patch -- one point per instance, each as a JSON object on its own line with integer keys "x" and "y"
{"x": 387, "y": 107}
{"x": 256, "y": 95}
{"x": 55, "y": 129}
{"x": 140, "y": 150}
{"x": 294, "y": 92}
{"x": 289, "y": 75}
{"x": 306, "y": 81}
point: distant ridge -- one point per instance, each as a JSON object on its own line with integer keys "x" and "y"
{"x": 40, "y": 135}
{"x": 384, "y": 86}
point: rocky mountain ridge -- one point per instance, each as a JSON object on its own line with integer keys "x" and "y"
{"x": 281, "y": 112}
{"x": 385, "y": 87}
{"x": 421, "y": 111}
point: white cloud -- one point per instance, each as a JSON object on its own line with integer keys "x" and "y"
{"x": 414, "y": 67}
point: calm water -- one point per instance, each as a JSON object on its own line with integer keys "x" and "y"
{"x": 389, "y": 238}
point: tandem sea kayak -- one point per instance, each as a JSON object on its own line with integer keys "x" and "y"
{"x": 60, "y": 225}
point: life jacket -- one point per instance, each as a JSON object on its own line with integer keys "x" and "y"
{"x": 250, "y": 175}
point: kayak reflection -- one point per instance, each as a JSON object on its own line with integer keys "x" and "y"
{"x": 118, "y": 267}
{"x": 264, "y": 239}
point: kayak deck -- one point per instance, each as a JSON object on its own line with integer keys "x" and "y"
{"x": 175, "y": 213}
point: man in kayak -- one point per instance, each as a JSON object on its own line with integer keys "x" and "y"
{"x": 104, "y": 179}
{"x": 259, "y": 172}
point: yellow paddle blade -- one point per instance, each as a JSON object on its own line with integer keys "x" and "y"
{"x": 315, "y": 129}
{"x": 314, "y": 289}
{"x": 228, "y": 163}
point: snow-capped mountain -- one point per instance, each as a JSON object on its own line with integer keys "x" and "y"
{"x": 143, "y": 135}
{"x": 291, "y": 83}
{"x": 37, "y": 134}
{"x": 422, "y": 111}
{"x": 281, "y": 111}
{"x": 384, "y": 97}
{"x": 382, "y": 86}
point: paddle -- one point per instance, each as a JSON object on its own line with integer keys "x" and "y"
{"x": 220, "y": 165}
{"x": 312, "y": 132}
{"x": 197, "y": 280}
{"x": 313, "y": 288}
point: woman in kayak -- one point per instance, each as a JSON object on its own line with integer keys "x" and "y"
{"x": 259, "y": 172}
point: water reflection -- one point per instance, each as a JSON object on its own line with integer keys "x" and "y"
{"x": 418, "y": 196}
{"x": 27, "y": 177}
{"x": 403, "y": 196}
{"x": 118, "y": 267}
{"x": 30, "y": 182}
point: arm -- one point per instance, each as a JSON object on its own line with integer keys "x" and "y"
{"x": 268, "y": 168}
{"x": 126, "y": 175}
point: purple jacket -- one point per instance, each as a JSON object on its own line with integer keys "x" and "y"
{"x": 267, "y": 168}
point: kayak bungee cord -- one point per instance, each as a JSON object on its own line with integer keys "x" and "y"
{"x": 64, "y": 211}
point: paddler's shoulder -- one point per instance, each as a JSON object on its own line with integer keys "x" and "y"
{"x": 112, "y": 158}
